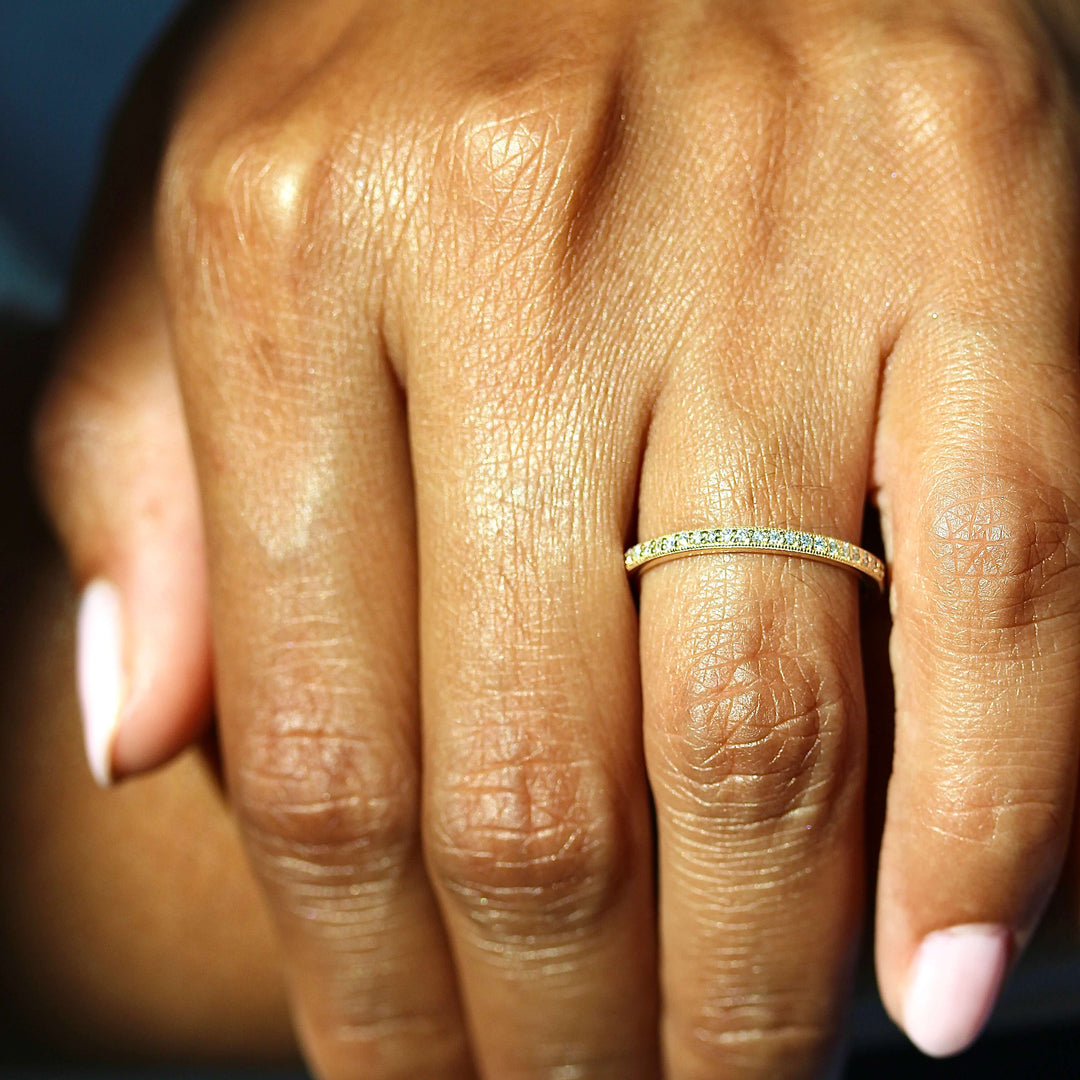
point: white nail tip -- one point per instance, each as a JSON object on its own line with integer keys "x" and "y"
{"x": 100, "y": 673}
{"x": 954, "y": 982}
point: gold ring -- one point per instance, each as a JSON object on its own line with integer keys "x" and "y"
{"x": 805, "y": 545}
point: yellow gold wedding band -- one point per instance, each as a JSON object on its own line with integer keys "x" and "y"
{"x": 805, "y": 545}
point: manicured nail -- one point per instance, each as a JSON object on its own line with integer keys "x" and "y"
{"x": 100, "y": 673}
{"x": 955, "y": 979}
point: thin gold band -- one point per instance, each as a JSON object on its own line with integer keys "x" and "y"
{"x": 805, "y": 545}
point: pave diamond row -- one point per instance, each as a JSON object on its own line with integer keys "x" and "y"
{"x": 754, "y": 538}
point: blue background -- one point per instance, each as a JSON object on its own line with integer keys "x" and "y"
{"x": 64, "y": 65}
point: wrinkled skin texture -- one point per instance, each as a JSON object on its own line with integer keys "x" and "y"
{"x": 462, "y": 299}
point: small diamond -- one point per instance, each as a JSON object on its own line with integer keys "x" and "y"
{"x": 667, "y": 543}
{"x": 806, "y": 541}
{"x": 701, "y": 537}
{"x": 834, "y": 548}
{"x": 741, "y": 537}
{"x": 760, "y": 537}
{"x": 821, "y": 546}
{"x": 727, "y": 537}
{"x": 776, "y": 537}
{"x": 716, "y": 536}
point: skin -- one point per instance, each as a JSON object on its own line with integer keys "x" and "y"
{"x": 463, "y": 298}
{"x": 77, "y": 980}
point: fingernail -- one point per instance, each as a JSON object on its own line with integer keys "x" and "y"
{"x": 955, "y": 979}
{"x": 100, "y": 673}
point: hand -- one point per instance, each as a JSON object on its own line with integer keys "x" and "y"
{"x": 463, "y": 298}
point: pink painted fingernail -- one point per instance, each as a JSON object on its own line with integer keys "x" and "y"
{"x": 954, "y": 981}
{"x": 100, "y": 673}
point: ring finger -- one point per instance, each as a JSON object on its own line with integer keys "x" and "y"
{"x": 754, "y": 713}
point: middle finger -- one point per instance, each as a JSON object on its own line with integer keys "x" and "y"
{"x": 538, "y": 833}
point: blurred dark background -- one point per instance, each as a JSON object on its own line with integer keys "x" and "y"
{"x": 64, "y": 65}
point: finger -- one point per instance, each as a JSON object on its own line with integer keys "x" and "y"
{"x": 537, "y": 825}
{"x": 754, "y": 714}
{"x": 299, "y": 438}
{"x": 115, "y": 468}
{"x": 979, "y": 465}
{"x": 538, "y": 828}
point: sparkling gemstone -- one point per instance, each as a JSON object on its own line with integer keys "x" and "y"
{"x": 776, "y": 537}
{"x": 741, "y": 537}
{"x": 716, "y": 536}
{"x": 760, "y": 537}
{"x": 806, "y": 541}
{"x": 667, "y": 544}
{"x": 821, "y": 546}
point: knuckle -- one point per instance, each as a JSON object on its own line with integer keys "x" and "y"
{"x": 513, "y": 149}
{"x": 499, "y": 163}
{"x": 960, "y": 86}
{"x": 754, "y": 1037}
{"x": 529, "y": 837}
{"x": 754, "y": 727}
{"x": 253, "y": 188}
{"x": 995, "y": 554}
{"x": 1018, "y": 836}
{"x": 984, "y": 811}
{"x": 314, "y": 801}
